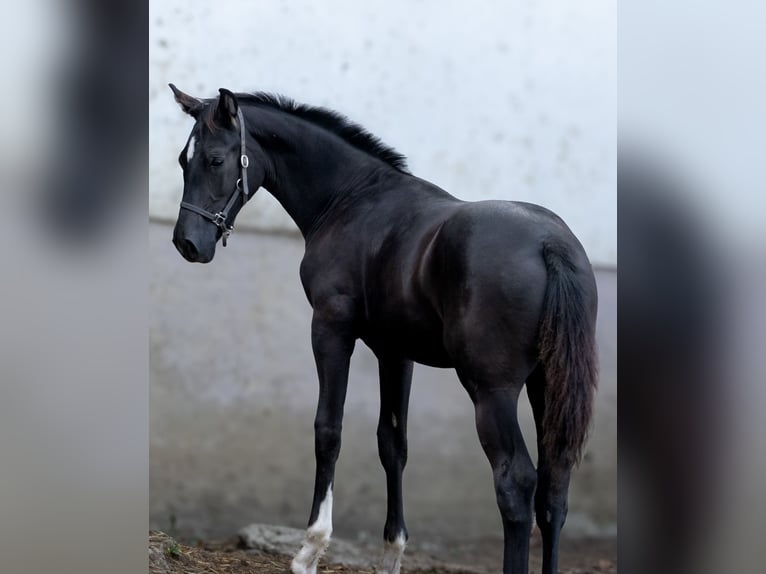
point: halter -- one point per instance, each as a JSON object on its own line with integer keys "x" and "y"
{"x": 219, "y": 219}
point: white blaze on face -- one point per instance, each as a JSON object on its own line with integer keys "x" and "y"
{"x": 392, "y": 555}
{"x": 190, "y": 149}
{"x": 317, "y": 539}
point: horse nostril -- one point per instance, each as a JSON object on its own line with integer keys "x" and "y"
{"x": 186, "y": 248}
{"x": 191, "y": 250}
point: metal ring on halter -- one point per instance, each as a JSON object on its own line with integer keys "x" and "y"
{"x": 239, "y": 184}
{"x": 244, "y": 160}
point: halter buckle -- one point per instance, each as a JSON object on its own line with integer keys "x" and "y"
{"x": 244, "y": 160}
{"x": 220, "y": 220}
{"x": 225, "y": 235}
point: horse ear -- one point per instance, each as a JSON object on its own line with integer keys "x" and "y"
{"x": 227, "y": 107}
{"x": 189, "y": 104}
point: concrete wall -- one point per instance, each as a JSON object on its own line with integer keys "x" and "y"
{"x": 494, "y": 99}
{"x": 233, "y": 394}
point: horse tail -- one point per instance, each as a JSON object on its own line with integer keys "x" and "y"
{"x": 567, "y": 351}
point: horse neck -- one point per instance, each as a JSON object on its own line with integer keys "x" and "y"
{"x": 309, "y": 169}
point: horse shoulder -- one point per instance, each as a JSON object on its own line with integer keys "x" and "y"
{"x": 328, "y": 287}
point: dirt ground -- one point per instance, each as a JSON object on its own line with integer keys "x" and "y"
{"x": 166, "y": 556}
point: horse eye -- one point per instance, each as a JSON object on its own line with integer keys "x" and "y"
{"x": 216, "y": 161}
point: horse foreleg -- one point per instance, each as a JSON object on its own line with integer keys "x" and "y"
{"x": 395, "y": 380}
{"x": 333, "y": 344}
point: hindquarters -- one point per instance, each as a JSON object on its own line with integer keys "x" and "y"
{"x": 490, "y": 278}
{"x": 519, "y": 307}
{"x": 518, "y": 291}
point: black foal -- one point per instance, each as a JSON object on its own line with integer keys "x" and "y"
{"x": 501, "y": 291}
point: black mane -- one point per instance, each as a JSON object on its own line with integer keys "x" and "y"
{"x": 331, "y": 121}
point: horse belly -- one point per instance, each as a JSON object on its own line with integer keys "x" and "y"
{"x": 418, "y": 342}
{"x": 428, "y": 351}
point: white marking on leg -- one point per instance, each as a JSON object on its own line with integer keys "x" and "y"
{"x": 317, "y": 539}
{"x": 190, "y": 150}
{"x": 394, "y": 422}
{"x": 392, "y": 555}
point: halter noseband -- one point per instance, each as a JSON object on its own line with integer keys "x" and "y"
{"x": 219, "y": 219}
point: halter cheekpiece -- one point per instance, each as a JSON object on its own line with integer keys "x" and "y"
{"x": 219, "y": 219}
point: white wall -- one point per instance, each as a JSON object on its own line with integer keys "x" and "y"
{"x": 495, "y": 99}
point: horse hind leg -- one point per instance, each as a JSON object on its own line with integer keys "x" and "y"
{"x": 552, "y": 481}
{"x": 512, "y": 468}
